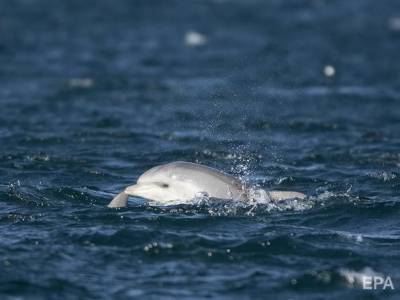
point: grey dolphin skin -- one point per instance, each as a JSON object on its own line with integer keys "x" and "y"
{"x": 180, "y": 182}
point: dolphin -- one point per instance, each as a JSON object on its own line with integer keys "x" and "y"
{"x": 179, "y": 182}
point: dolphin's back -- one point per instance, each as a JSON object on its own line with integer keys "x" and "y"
{"x": 205, "y": 179}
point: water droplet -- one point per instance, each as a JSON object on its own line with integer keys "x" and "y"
{"x": 195, "y": 39}
{"x": 329, "y": 71}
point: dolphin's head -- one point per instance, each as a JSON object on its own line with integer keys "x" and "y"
{"x": 161, "y": 185}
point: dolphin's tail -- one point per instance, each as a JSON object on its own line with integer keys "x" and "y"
{"x": 261, "y": 195}
{"x": 284, "y": 195}
{"x": 119, "y": 201}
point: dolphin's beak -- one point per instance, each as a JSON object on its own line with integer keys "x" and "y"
{"x": 133, "y": 190}
{"x": 140, "y": 190}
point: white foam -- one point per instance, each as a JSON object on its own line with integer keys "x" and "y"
{"x": 81, "y": 82}
{"x": 394, "y": 23}
{"x": 355, "y": 278}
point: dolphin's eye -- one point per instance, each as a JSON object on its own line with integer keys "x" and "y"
{"x": 165, "y": 185}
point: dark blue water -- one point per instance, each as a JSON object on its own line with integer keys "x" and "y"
{"x": 94, "y": 93}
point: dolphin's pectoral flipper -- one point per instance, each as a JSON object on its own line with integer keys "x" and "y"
{"x": 120, "y": 200}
